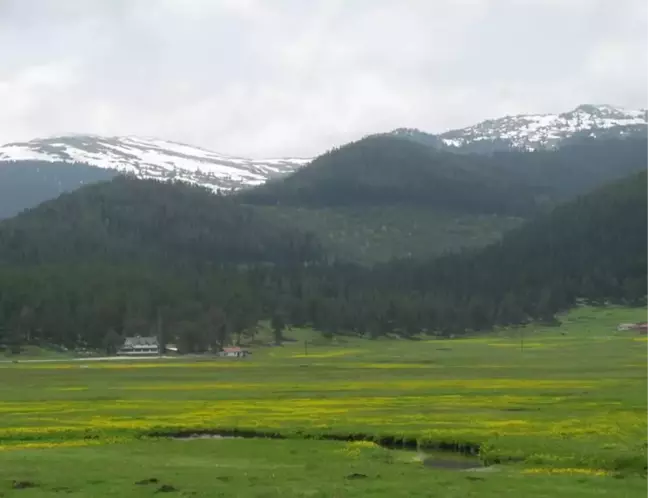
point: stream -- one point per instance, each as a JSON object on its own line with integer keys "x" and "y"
{"x": 430, "y": 458}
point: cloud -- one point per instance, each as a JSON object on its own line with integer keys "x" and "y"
{"x": 290, "y": 77}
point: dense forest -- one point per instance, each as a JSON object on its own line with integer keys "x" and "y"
{"x": 202, "y": 271}
{"x": 386, "y": 170}
{"x": 386, "y": 197}
{"x": 578, "y": 167}
{"x": 369, "y": 235}
{"x": 133, "y": 221}
{"x": 368, "y": 202}
{"x": 593, "y": 247}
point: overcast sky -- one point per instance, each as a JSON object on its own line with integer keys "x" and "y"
{"x": 295, "y": 77}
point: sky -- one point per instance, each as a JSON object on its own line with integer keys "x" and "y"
{"x": 297, "y": 77}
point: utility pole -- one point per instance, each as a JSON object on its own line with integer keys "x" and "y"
{"x": 161, "y": 345}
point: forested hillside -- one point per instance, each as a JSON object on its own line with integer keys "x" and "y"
{"x": 578, "y": 167}
{"x": 592, "y": 248}
{"x": 377, "y": 234}
{"x": 385, "y": 170}
{"x": 136, "y": 221}
{"x": 26, "y": 184}
{"x": 119, "y": 257}
{"x": 387, "y": 197}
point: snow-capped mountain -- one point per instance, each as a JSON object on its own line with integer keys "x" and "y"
{"x": 538, "y": 131}
{"x": 153, "y": 158}
{"x": 166, "y": 160}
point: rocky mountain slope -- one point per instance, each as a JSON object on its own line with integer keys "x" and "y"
{"x": 537, "y": 131}
{"x": 150, "y": 158}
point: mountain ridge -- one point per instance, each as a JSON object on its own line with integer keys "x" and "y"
{"x": 57, "y": 164}
{"x": 531, "y": 132}
{"x": 383, "y": 169}
{"x": 152, "y": 158}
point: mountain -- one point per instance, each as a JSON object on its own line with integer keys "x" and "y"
{"x": 537, "y": 131}
{"x": 386, "y": 170}
{"x": 48, "y": 163}
{"x": 127, "y": 220}
{"x": 575, "y": 168}
{"x": 150, "y": 158}
{"x": 118, "y": 257}
{"x": 384, "y": 197}
{"x": 26, "y": 184}
{"x": 104, "y": 260}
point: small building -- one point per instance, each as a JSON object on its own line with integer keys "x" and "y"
{"x": 140, "y": 346}
{"x": 641, "y": 327}
{"x": 234, "y": 352}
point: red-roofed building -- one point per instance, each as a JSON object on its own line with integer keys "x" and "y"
{"x": 234, "y": 352}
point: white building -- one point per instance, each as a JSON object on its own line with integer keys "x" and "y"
{"x": 140, "y": 346}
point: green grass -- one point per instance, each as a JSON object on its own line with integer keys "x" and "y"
{"x": 564, "y": 416}
{"x": 263, "y": 468}
{"x": 35, "y": 353}
{"x": 378, "y": 234}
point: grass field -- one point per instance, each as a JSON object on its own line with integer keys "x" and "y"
{"x": 564, "y": 415}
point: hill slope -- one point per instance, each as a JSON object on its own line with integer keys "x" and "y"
{"x": 593, "y": 247}
{"x": 151, "y": 158}
{"x": 383, "y": 197}
{"x": 377, "y": 234}
{"x": 104, "y": 277}
{"x": 382, "y": 170}
{"x": 26, "y": 184}
{"x": 575, "y": 168}
{"x": 129, "y": 220}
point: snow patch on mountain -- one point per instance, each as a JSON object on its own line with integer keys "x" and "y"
{"x": 154, "y": 158}
{"x": 533, "y": 131}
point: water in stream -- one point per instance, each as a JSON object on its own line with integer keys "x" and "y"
{"x": 446, "y": 460}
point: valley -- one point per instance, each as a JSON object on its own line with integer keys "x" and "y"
{"x": 557, "y": 410}
{"x": 391, "y": 318}
{"x": 323, "y": 249}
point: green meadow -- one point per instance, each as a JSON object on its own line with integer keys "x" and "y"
{"x": 551, "y": 411}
